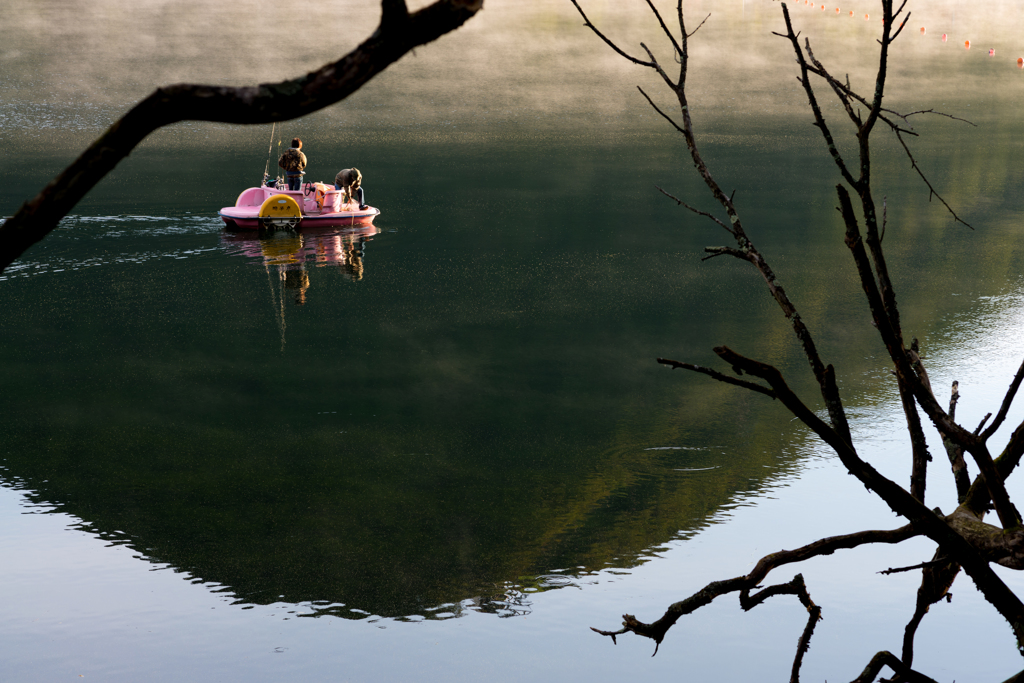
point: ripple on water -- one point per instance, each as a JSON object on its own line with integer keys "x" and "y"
{"x": 73, "y": 246}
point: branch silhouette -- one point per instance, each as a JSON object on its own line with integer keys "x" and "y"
{"x": 962, "y": 539}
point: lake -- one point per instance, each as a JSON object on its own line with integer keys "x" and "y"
{"x": 442, "y": 448}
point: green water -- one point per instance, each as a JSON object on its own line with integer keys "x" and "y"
{"x": 467, "y": 407}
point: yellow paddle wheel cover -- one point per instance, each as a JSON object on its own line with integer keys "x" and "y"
{"x": 280, "y": 211}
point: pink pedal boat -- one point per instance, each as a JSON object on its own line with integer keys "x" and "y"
{"x": 317, "y": 204}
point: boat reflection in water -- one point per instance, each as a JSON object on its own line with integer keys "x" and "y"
{"x": 291, "y": 254}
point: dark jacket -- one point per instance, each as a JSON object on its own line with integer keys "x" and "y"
{"x": 349, "y": 177}
{"x": 293, "y": 160}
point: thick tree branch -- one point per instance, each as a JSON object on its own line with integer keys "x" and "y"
{"x": 393, "y": 13}
{"x": 937, "y": 577}
{"x": 955, "y": 453}
{"x": 886, "y": 658}
{"x": 398, "y": 33}
{"x": 918, "y": 442}
{"x": 977, "y": 498}
{"x": 744, "y": 584}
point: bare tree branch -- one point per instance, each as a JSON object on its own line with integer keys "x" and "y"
{"x": 902, "y": 23}
{"x": 691, "y": 33}
{"x": 837, "y": 87}
{"x": 918, "y": 442}
{"x": 886, "y": 658}
{"x": 977, "y": 497}
{"x": 663, "y": 115}
{"x": 885, "y": 219}
{"x": 922, "y": 565}
{"x": 977, "y": 430}
{"x": 937, "y": 577}
{"x": 1005, "y": 407}
{"x": 588, "y": 24}
{"x": 743, "y": 584}
{"x": 955, "y": 453}
{"x": 714, "y": 374}
{"x": 931, "y": 190}
{"x": 680, "y": 202}
{"x": 664, "y": 28}
{"x": 843, "y": 91}
{"x": 932, "y": 111}
{"x": 812, "y": 100}
{"x": 393, "y": 13}
{"x": 876, "y": 104}
{"x": 657, "y": 67}
{"x": 723, "y": 251}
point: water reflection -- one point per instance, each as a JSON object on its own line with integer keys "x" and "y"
{"x": 318, "y": 247}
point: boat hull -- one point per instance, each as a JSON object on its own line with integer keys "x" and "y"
{"x": 331, "y": 212}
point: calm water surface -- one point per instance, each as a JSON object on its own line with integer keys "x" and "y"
{"x": 441, "y": 448}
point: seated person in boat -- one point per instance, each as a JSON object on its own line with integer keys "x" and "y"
{"x": 350, "y": 181}
{"x": 293, "y": 161}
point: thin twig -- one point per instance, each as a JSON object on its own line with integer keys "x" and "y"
{"x": 1007, "y": 400}
{"x": 664, "y": 28}
{"x": 680, "y": 202}
{"x": 723, "y": 251}
{"x": 903, "y": 24}
{"x": 913, "y": 164}
{"x": 982, "y": 423}
{"x": 714, "y": 374}
{"x": 930, "y": 563}
{"x": 885, "y": 217}
{"x": 932, "y": 111}
{"x": 588, "y": 24}
{"x": 690, "y": 34}
{"x": 663, "y": 114}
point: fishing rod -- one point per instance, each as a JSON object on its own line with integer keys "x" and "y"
{"x": 270, "y": 149}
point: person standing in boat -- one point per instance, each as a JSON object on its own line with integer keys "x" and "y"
{"x": 350, "y": 182}
{"x": 293, "y": 161}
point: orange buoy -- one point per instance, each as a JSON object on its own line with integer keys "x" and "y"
{"x": 967, "y": 44}
{"x": 851, "y": 13}
{"x": 866, "y": 17}
{"x": 922, "y": 30}
{"x": 1020, "y": 62}
{"x": 837, "y": 10}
